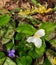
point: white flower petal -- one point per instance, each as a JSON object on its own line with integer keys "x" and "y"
{"x": 30, "y": 39}
{"x": 37, "y": 42}
{"x": 41, "y": 32}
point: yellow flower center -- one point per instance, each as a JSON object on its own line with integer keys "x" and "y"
{"x": 36, "y": 36}
{"x": 54, "y": 60}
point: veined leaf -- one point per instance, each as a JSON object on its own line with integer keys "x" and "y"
{"x": 2, "y": 60}
{"x": 25, "y": 60}
{"x": 4, "y": 19}
{"x": 48, "y": 26}
{"x": 9, "y": 62}
{"x": 26, "y": 29}
{"x": 8, "y": 34}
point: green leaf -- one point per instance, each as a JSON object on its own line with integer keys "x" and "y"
{"x": 19, "y": 36}
{"x": 9, "y": 46}
{"x": 9, "y": 62}
{"x": 48, "y": 27}
{"x": 40, "y": 50}
{"x": 53, "y": 43}
{"x": 54, "y": 8}
{"x": 32, "y": 20}
{"x": 28, "y": 60}
{"x": 2, "y": 60}
{"x": 27, "y": 29}
{"x": 4, "y": 19}
{"x": 33, "y": 54}
{"x": 2, "y": 54}
{"x": 25, "y": 60}
{"x": 22, "y": 53}
{"x": 47, "y": 62}
{"x": 8, "y": 33}
{"x": 18, "y": 61}
{"x": 34, "y": 2}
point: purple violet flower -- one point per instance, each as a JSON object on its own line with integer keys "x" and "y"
{"x": 11, "y": 53}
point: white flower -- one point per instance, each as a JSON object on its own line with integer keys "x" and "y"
{"x": 36, "y": 38}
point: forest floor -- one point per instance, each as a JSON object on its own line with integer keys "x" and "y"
{"x": 19, "y": 20}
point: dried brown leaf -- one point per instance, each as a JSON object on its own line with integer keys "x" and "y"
{"x": 41, "y": 17}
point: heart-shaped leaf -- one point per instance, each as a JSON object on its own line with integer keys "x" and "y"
{"x": 4, "y": 19}
{"x": 26, "y": 29}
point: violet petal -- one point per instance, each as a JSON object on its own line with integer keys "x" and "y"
{"x": 13, "y": 51}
